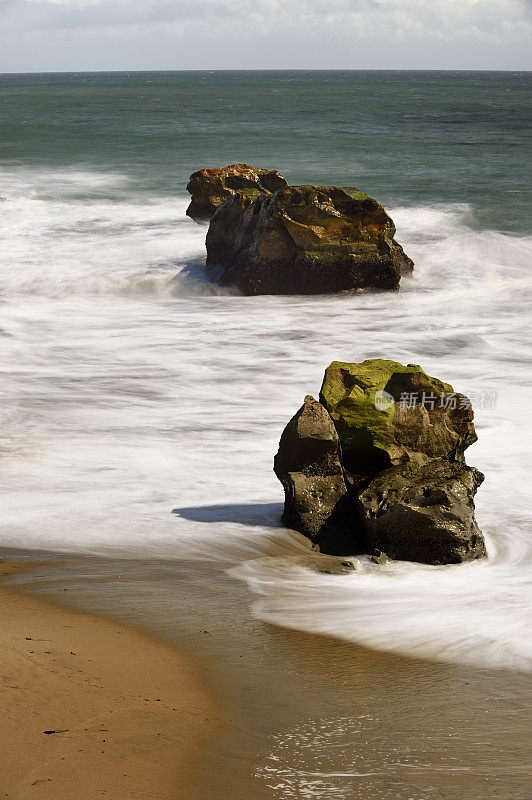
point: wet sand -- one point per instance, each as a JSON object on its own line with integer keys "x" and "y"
{"x": 305, "y": 717}
{"x": 92, "y": 708}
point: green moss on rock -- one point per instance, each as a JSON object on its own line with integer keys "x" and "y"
{"x": 379, "y": 426}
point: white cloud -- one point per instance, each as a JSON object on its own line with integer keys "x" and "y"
{"x": 263, "y": 25}
{"x": 410, "y": 14}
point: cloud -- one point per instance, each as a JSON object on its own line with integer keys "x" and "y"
{"x": 67, "y": 14}
{"x": 414, "y": 16}
{"x": 264, "y": 23}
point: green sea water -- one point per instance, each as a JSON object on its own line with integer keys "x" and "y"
{"x": 409, "y": 137}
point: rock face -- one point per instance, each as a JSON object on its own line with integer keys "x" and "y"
{"x": 426, "y": 512}
{"x": 210, "y": 188}
{"x": 388, "y": 414}
{"x": 309, "y": 467}
{"x": 304, "y": 240}
{"x": 395, "y": 479}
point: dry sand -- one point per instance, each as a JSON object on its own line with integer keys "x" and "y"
{"x": 93, "y": 709}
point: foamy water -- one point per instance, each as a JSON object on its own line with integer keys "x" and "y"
{"x": 132, "y": 388}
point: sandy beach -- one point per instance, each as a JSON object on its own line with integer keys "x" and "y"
{"x": 91, "y": 708}
{"x": 289, "y": 709}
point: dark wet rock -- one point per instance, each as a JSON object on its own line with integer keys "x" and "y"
{"x": 304, "y": 240}
{"x": 392, "y": 480}
{"x": 309, "y": 467}
{"x": 210, "y": 188}
{"x": 424, "y": 514}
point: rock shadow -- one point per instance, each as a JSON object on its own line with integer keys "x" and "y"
{"x": 256, "y": 514}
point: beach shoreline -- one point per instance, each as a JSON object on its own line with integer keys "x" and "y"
{"x": 289, "y": 707}
{"x": 94, "y": 706}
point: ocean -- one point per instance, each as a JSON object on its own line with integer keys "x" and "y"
{"x": 141, "y": 405}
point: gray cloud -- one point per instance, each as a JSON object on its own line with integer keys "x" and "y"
{"x": 67, "y": 14}
{"x": 30, "y": 14}
{"x": 496, "y": 31}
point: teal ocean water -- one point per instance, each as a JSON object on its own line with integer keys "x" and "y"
{"x": 431, "y": 137}
{"x": 141, "y": 406}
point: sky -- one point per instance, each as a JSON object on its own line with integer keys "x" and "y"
{"x": 76, "y": 35}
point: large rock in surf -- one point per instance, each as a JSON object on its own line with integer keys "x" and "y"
{"x": 304, "y": 240}
{"x": 407, "y": 491}
{"x": 210, "y": 188}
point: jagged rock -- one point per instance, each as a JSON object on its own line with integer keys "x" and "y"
{"x": 424, "y": 514}
{"x": 210, "y": 188}
{"x": 304, "y": 240}
{"x": 387, "y": 414}
{"x": 309, "y": 467}
{"x": 379, "y": 475}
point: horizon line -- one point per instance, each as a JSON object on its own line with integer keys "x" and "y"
{"x": 259, "y": 69}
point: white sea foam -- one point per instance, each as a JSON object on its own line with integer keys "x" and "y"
{"x": 127, "y": 392}
{"x": 61, "y": 234}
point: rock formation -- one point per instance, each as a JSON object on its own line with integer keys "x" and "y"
{"x": 304, "y": 240}
{"x": 377, "y": 466}
{"x": 210, "y": 188}
{"x": 266, "y": 237}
